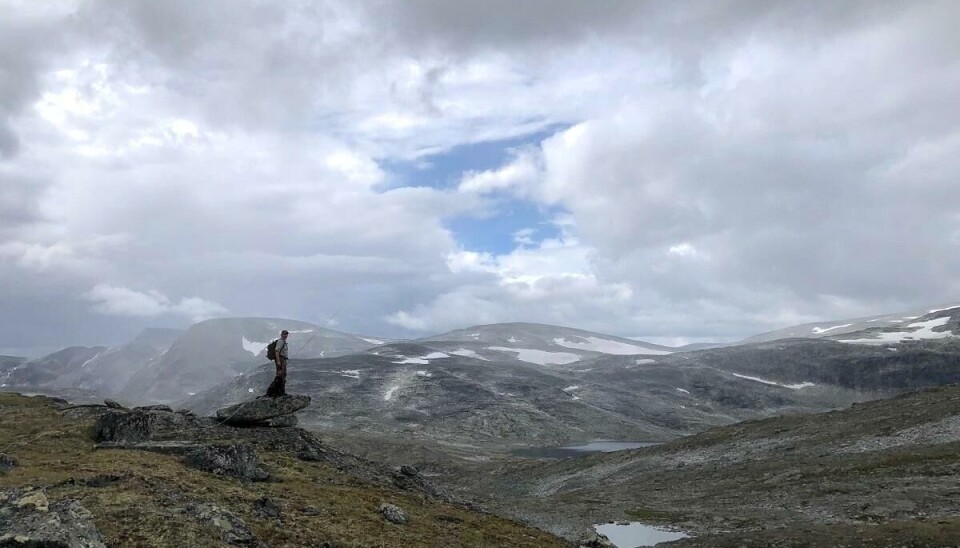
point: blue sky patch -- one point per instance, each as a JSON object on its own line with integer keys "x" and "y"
{"x": 496, "y": 233}
{"x": 445, "y": 170}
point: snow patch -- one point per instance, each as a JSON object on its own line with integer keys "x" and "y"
{"x": 250, "y": 390}
{"x": 389, "y": 394}
{"x": 921, "y": 330}
{"x": 350, "y": 373}
{"x": 254, "y": 347}
{"x": 539, "y": 357}
{"x": 682, "y": 390}
{"x": 569, "y": 388}
{"x": 423, "y": 360}
{"x": 819, "y": 330}
{"x": 513, "y": 340}
{"x": 468, "y": 354}
{"x": 645, "y": 360}
{"x": 774, "y": 383}
{"x": 372, "y": 341}
{"x": 606, "y": 346}
{"x": 424, "y": 374}
{"x": 84, "y": 364}
{"x": 935, "y": 310}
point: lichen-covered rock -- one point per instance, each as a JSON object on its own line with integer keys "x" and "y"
{"x": 139, "y": 425}
{"x": 7, "y": 462}
{"x": 238, "y": 461}
{"x": 153, "y": 408}
{"x": 393, "y": 513}
{"x": 262, "y": 409}
{"x": 596, "y": 540}
{"x": 230, "y": 527}
{"x": 27, "y": 518}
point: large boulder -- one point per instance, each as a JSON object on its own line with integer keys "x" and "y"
{"x": 140, "y": 425}
{"x": 238, "y": 461}
{"x": 262, "y": 409}
{"x": 28, "y": 518}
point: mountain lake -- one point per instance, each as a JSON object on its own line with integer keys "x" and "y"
{"x": 572, "y": 451}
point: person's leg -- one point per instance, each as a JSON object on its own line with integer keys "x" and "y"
{"x": 282, "y": 377}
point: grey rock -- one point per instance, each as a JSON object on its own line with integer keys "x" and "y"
{"x": 27, "y": 518}
{"x": 112, "y": 404}
{"x": 164, "y": 447}
{"x": 259, "y": 410}
{"x": 153, "y": 408}
{"x": 596, "y": 540}
{"x": 138, "y": 425}
{"x": 393, "y": 513}
{"x": 238, "y": 461}
{"x": 286, "y": 421}
{"x": 310, "y": 511}
{"x": 231, "y": 528}
{"x": 266, "y": 508}
{"x": 7, "y": 462}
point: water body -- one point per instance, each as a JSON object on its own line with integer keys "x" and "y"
{"x": 572, "y": 451}
{"x": 637, "y": 534}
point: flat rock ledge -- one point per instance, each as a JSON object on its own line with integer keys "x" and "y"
{"x": 28, "y": 518}
{"x": 255, "y": 412}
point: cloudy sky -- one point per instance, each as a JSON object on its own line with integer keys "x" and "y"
{"x": 674, "y": 171}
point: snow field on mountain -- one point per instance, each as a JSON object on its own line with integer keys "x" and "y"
{"x": 774, "y": 383}
{"x": 922, "y": 330}
{"x": 539, "y": 357}
{"x": 607, "y": 346}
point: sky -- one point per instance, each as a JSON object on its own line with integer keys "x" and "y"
{"x": 678, "y": 172}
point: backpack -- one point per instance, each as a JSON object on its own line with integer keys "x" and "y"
{"x": 272, "y": 350}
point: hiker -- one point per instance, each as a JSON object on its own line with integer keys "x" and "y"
{"x": 279, "y": 385}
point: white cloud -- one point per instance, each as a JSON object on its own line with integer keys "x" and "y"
{"x": 121, "y": 301}
{"x": 163, "y": 145}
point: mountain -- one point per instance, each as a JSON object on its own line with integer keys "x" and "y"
{"x": 839, "y": 327}
{"x": 546, "y": 345}
{"x": 110, "y": 370}
{"x": 421, "y": 392}
{"x": 882, "y": 473}
{"x": 7, "y": 365}
{"x": 937, "y": 324}
{"x": 213, "y": 351}
{"x": 47, "y": 370}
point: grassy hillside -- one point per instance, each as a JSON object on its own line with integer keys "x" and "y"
{"x": 141, "y": 499}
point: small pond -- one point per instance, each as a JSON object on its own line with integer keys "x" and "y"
{"x": 637, "y": 534}
{"x": 600, "y": 446}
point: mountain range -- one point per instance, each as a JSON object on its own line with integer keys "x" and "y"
{"x": 513, "y": 383}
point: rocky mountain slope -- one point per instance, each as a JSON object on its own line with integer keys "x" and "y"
{"x": 546, "y": 345}
{"x": 427, "y": 392}
{"x": 840, "y": 327}
{"x": 882, "y": 473}
{"x": 214, "y": 350}
{"x": 60, "y": 489}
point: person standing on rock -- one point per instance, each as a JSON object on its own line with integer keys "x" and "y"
{"x": 279, "y": 385}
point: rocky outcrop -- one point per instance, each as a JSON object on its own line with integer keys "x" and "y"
{"x": 393, "y": 514}
{"x": 262, "y": 409}
{"x": 238, "y": 461}
{"x": 596, "y": 540}
{"x": 228, "y": 525}
{"x": 7, "y": 462}
{"x": 28, "y": 518}
{"x": 139, "y": 425}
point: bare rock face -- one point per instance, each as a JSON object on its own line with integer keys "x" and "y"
{"x": 238, "y": 461}
{"x": 28, "y": 518}
{"x": 257, "y": 411}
